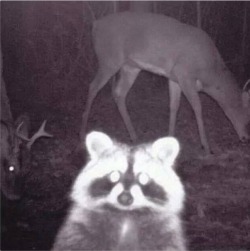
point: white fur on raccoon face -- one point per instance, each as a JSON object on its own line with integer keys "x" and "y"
{"x": 129, "y": 178}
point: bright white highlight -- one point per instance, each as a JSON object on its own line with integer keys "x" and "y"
{"x": 125, "y": 227}
{"x": 115, "y": 176}
{"x": 143, "y": 179}
{"x": 11, "y": 168}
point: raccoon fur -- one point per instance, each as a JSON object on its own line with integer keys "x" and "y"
{"x": 125, "y": 198}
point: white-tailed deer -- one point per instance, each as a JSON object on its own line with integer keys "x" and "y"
{"x": 13, "y": 136}
{"x": 130, "y": 42}
{"x": 13, "y": 151}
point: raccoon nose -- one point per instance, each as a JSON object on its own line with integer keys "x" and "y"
{"x": 125, "y": 198}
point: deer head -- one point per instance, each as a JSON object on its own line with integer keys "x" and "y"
{"x": 15, "y": 146}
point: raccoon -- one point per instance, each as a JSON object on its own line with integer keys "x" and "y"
{"x": 125, "y": 198}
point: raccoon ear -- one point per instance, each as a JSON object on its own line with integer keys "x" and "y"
{"x": 97, "y": 143}
{"x": 166, "y": 149}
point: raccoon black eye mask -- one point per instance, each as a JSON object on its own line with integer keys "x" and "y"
{"x": 125, "y": 196}
{"x": 103, "y": 186}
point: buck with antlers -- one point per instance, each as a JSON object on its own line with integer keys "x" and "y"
{"x": 13, "y": 147}
{"x": 130, "y": 42}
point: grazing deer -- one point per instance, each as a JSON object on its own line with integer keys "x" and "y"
{"x": 130, "y": 42}
{"x": 13, "y": 136}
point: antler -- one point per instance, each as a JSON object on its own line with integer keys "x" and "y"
{"x": 40, "y": 133}
{"x": 247, "y": 86}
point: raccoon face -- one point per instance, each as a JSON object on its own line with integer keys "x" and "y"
{"x": 129, "y": 178}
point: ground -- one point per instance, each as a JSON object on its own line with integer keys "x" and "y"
{"x": 217, "y": 210}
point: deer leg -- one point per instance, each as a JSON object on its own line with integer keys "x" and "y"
{"x": 102, "y": 77}
{"x": 175, "y": 97}
{"x": 120, "y": 90}
{"x": 188, "y": 88}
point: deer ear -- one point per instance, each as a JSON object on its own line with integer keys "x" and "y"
{"x": 97, "y": 143}
{"x": 166, "y": 149}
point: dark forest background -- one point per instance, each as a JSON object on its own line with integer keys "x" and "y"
{"x": 48, "y": 64}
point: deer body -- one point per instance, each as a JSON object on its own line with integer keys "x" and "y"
{"x": 130, "y": 42}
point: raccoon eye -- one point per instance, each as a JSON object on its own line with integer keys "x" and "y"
{"x": 115, "y": 176}
{"x": 143, "y": 178}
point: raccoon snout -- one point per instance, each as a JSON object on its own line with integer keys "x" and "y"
{"x": 125, "y": 198}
